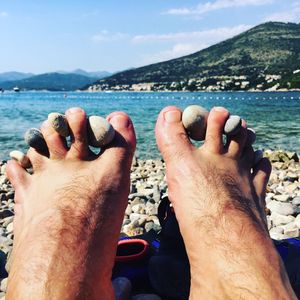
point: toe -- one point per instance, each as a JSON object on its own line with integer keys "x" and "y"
{"x": 36, "y": 159}
{"x": 171, "y": 137}
{"x": 214, "y": 133}
{"x": 56, "y": 144}
{"x": 123, "y": 145}
{"x": 18, "y": 177}
{"x": 77, "y": 120}
{"x": 236, "y": 143}
{"x": 261, "y": 174}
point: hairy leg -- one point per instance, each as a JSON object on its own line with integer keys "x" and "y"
{"x": 68, "y": 214}
{"x": 218, "y": 197}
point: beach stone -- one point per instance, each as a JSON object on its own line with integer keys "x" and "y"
{"x": 5, "y": 213}
{"x": 20, "y": 157}
{"x": 282, "y": 198}
{"x": 294, "y": 232}
{"x": 3, "y": 170}
{"x": 277, "y": 236}
{"x": 139, "y": 208}
{"x": 276, "y": 230}
{"x": 59, "y": 123}
{"x": 100, "y": 131}
{"x": 194, "y": 120}
{"x": 296, "y": 201}
{"x": 34, "y": 138}
{"x": 297, "y": 221}
{"x": 3, "y": 285}
{"x": 10, "y": 228}
{"x": 2, "y": 296}
{"x": 233, "y": 125}
{"x": 122, "y": 288}
{"x": 146, "y": 297}
{"x": 291, "y": 176}
{"x": 258, "y": 155}
{"x": 282, "y": 208}
{"x": 251, "y": 136}
{"x": 278, "y": 219}
{"x": 151, "y": 209}
{"x": 128, "y": 210}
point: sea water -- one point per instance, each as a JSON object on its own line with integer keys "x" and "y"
{"x": 274, "y": 116}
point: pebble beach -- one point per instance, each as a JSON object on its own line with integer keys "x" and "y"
{"x": 148, "y": 187}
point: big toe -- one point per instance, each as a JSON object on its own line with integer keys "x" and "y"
{"x": 171, "y": 137}
{"x": 18, "y": 177}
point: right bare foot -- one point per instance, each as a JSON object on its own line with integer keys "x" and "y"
{"x": 219, "y": 206}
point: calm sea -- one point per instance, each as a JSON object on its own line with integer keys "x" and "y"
{"x": 274, "y": 116}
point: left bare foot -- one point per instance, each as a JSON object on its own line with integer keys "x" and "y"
{"x": 68, "y": 214}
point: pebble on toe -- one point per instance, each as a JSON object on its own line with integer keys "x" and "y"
{"x": 59, "y": 123}
{"x": 100, "y": 131}
{"x": 21, "y": 158}
{"x": 251, "y": 136}
{"x": 34, "y": 138}
{"x": 233, "y": 125}
{"x": 194, "y": 120}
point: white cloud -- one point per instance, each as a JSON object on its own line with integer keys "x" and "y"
{"x": 215, "y": 5}
{"x": 291, "y": 15}
{"x": 210, "y": 36}
{"x": 106, "y": 36}
{"x": 3, "y": 14}
{"x": 186, "y": 42}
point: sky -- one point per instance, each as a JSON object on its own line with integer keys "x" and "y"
{"x": 51, "y": 35}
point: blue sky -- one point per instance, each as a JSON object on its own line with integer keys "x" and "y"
{"x": 44, "y": 36}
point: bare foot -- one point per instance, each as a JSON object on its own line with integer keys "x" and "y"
{"x": 68, "y": 214}
{"x": 218, "y": 203}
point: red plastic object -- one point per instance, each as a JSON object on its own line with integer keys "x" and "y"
{"x": 132, "y": 250}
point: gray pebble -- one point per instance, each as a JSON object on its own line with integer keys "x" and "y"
{"x": 59, "y": 123}
{"x": 34, "y": 138}
{"x": 100, "y": 131}
{"x": 233, "y": 125}
{"x": 194, "y": 120}
{"x": 251, "y": 136}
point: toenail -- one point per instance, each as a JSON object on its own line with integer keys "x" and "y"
{"x": 220, "y": 109}
{"x": 120, "y": 121}
{"x": 172, "y": 116}
{"x": 74, "y": 110}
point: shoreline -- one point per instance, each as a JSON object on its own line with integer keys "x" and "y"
{"x": 148, "y": 187}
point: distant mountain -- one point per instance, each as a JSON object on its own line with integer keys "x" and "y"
{"x": 242, "y": 62}
{"x": 99, "y": 74}
{"x": 8, "y": 76}
{"x": 51, "y": 82}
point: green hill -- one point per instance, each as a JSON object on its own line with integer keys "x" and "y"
{"x": 50, "y": 82}
{"x": 271, "y": 48}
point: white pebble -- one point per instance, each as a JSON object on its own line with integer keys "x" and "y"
{"x": 233, "y": 125}
{"x": 100, "y": 131}
{"x": 194, "y": 120}
{"x": 21, "y": 158}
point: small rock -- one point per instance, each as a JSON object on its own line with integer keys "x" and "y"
{"x": 139, "y": 208}
{"x": 59, "y": 123}
{"x": 282, "y": 208}
{"x": 20, "y": 157}
{"x": 292, "y": 232}
{"x": 282, "y": 198}
{"x": 296, "y": 201}
{"x": 233, "y": 125}
{"x": 3, "y": 285}
{"x": 194, "y": 120}
{"x": 100, "y": 131}
{"x": 278, "y": 219}
{"x": 297, "y": 221}
{"x": 10, "y": 228}
{"x": 276, "y": 230}
{"x": 35, "y": 139}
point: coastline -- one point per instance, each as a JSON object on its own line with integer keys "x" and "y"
{"x": 148, "y": 187}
